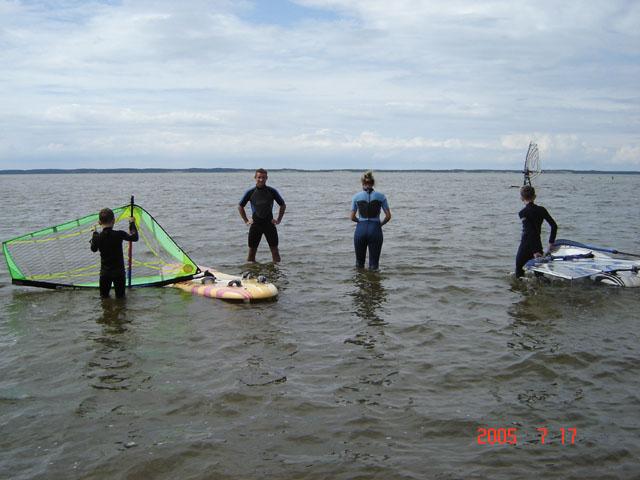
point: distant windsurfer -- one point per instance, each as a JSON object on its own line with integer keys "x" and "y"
{"x": 109, "y": 243}
{"x": 261, "y": 198}
{"x": 365, "y": 211}
{"x": 532, "y": 216}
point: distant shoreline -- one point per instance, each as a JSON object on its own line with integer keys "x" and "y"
{"x": 47, "y": 171}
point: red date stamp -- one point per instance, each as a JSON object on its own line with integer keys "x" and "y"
{"x": 509, "y": 435}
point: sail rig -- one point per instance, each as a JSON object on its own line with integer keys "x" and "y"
{"x": 60, "y": 256}
{"x": 571, "y": 260}
{"x": 532, "y": 167}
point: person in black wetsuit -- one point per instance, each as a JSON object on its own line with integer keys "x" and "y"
{"x": 262, "y": 222}
{"x": 532, "y": 216}
{"x": 109, "y": 243}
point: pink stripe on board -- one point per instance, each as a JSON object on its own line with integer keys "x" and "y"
{"x": 206, "y": 291}
{"x": 220, "y": 293}
{"x": 217, "y": 292}
{"x": 201, "y": 290}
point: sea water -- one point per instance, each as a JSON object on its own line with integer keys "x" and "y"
{"x": 440, "y": 365}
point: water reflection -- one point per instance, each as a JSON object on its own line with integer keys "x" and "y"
{"x": 549, "y": 366}
{"x": 275, "y": 273}
{"x": 542, "y": 301}
{"x": 534, "y": 316}
{"x": 369, "y": 296}
{"x": 366, "y": 373}
{"x": 113, "y": 315}
{"x": 19, "y": 306}
{"x": 535, "y": 304}
{"x": 110, "y": 367}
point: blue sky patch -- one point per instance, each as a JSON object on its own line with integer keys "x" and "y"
{"x": 285, "y": 13}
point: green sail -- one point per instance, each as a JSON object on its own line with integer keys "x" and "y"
{"x": 60, "y": 256}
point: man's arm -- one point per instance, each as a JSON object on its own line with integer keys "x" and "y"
{"x": 280, "y": 201}
{"x": 243, "y": 201}
{"x": 243, "y": 214}
{"x": 281, "y": 210}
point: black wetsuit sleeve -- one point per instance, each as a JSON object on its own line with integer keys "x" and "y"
{"x": 552, "y": 223}
{"x": 94, "y": 241}
{"x": 132, "y": 236}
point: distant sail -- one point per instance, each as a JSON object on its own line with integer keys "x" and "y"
{"x": 60, "y": 256}
{"x": 532, "y": 166}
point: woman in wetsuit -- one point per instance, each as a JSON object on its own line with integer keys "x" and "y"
{"x": 367, "y": 204}
{"x": 532, "y": 216}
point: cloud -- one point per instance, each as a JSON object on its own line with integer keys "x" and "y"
{"x": 545, "y": 142}
{"x": 101, "y": 115}
{"x": 627, "y": 155}
{"x": 462, "y": 84}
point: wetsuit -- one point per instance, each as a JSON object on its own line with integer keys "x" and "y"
{"x": 532, "y": 216}
{"x": 109, "y": 242}
{"x": 261, "y": 200}
{"x": 368, "y": 234}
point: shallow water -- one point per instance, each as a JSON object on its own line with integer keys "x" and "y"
{"x": 348, "y": 374}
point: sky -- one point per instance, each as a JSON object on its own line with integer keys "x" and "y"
{"x": 319, "y": 84}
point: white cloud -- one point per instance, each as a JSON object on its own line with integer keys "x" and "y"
{"x": 442, "y": 81}
{"x": 627, "y": 155}
{"x": 83, "y": 114}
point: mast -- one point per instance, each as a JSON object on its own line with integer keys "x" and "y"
{"x": 130, "y": 250}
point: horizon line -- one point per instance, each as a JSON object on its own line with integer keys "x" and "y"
{"x": 235, "y": 169}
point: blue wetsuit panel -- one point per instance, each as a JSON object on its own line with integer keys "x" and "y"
{"x": 368, "y": 205}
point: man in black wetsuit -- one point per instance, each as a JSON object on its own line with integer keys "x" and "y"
{"x": 532, "y": 216}
{"x": 262, "y": 222}
{"x": 109, "y": 242}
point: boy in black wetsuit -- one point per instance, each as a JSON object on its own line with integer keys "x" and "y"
{"x": 532, "y": 216}
{"x": 109, "y": 242}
